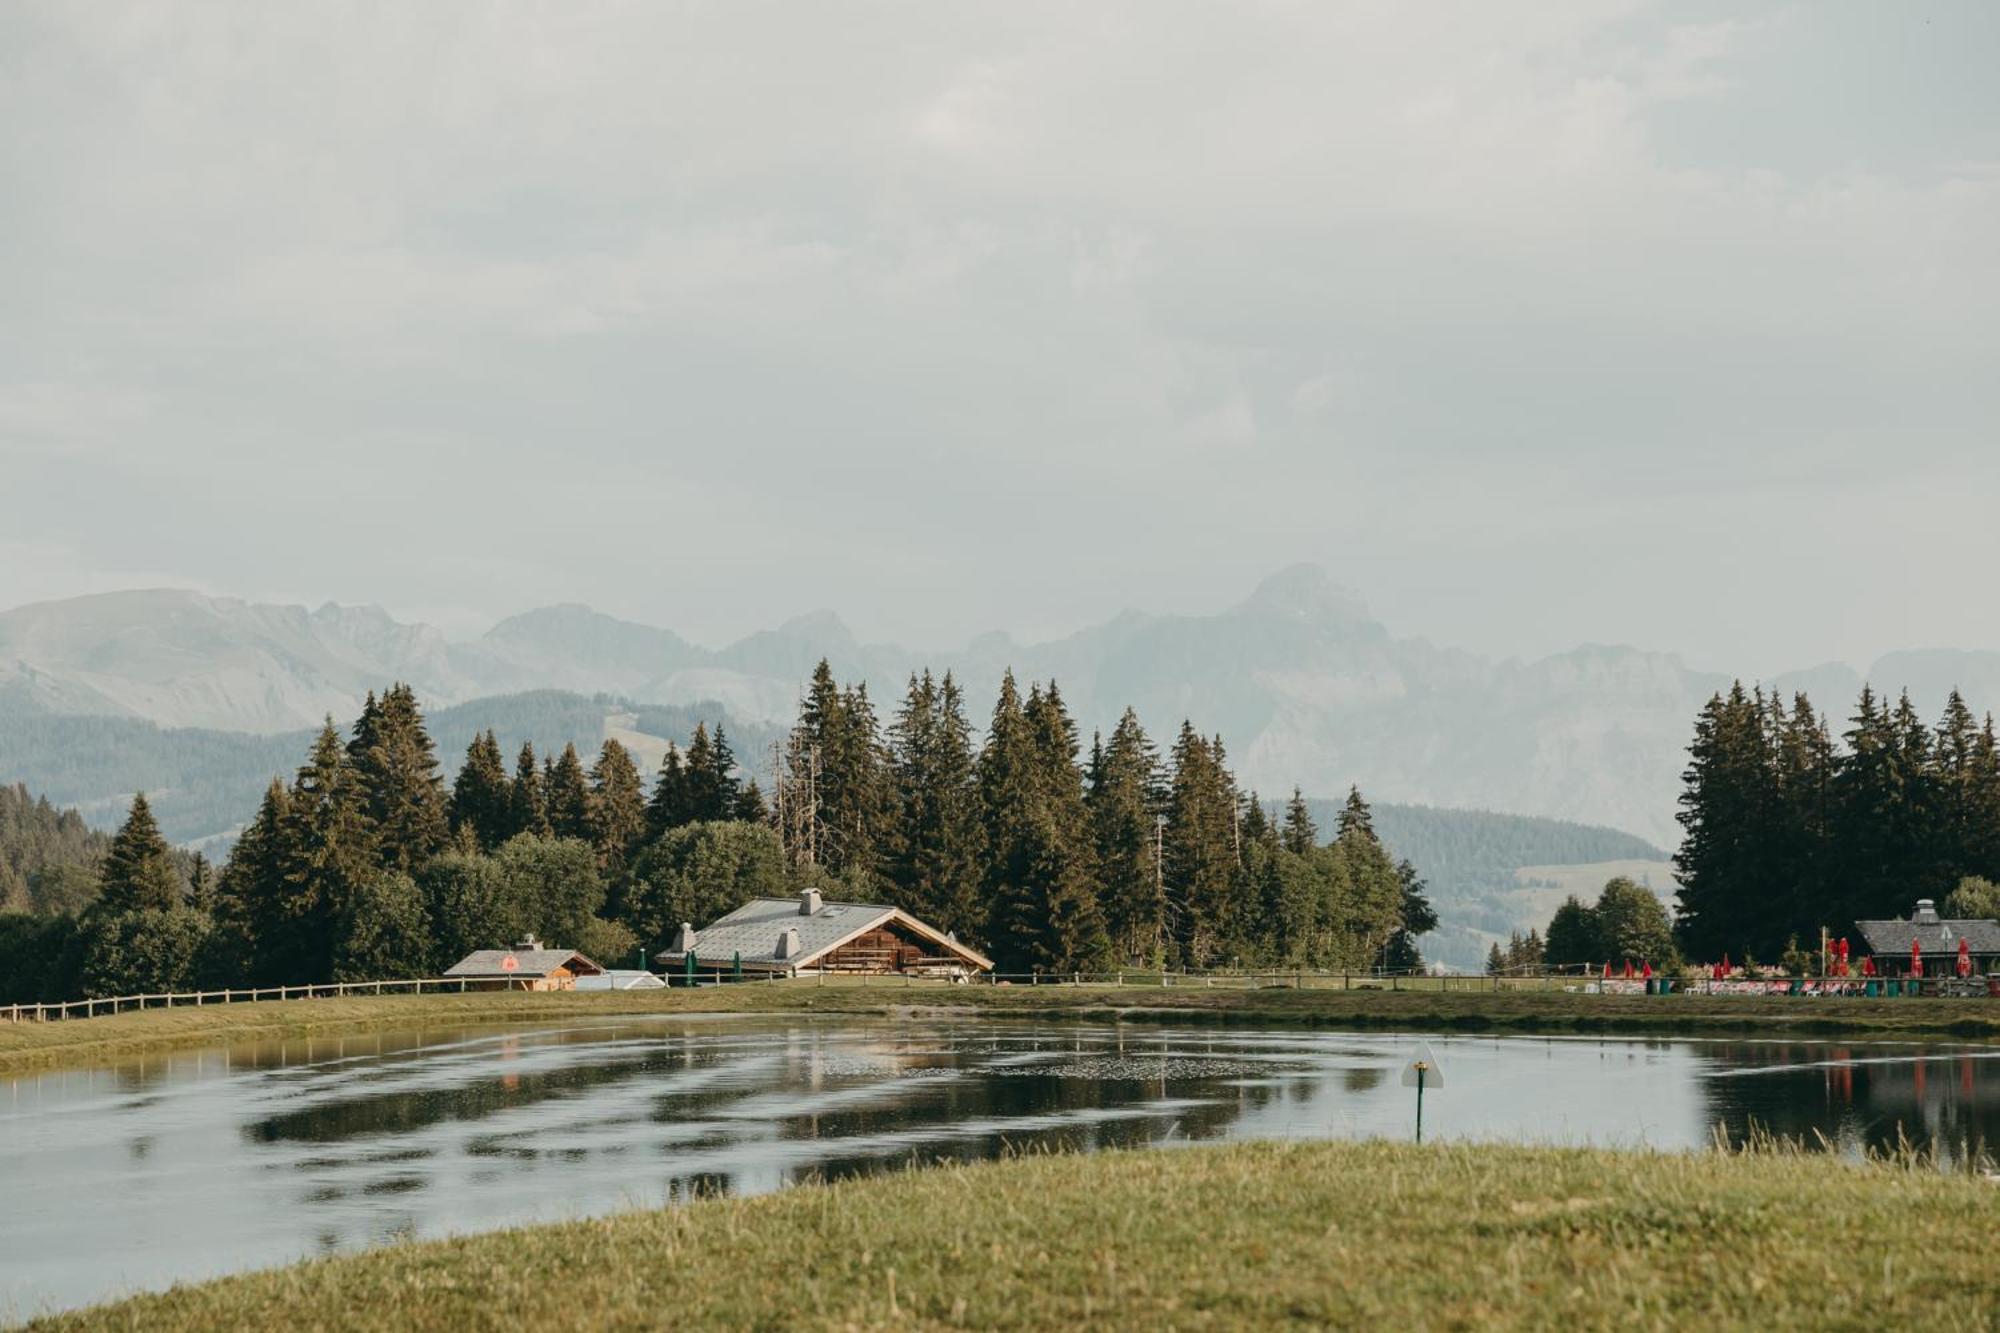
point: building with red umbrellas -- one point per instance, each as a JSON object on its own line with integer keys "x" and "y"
{"x": 1928, "y": 943}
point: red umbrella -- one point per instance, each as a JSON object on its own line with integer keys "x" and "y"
{"x": 1628, "y": 969}
{"x": 1607, "y": 970}
{"x": 1648, "y": 972}
{"x": 1725, "y": 965}
{"x": 1916, "y": 957}
{"x": 1868, "y": 966}
{"x": 1964, "y": 956}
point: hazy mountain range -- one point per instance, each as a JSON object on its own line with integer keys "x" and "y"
{"x": 1303, "y": 683}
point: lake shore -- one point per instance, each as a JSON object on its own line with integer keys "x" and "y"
{"x": 27, "y": 1047}
{"x": 1331, "y": 1234}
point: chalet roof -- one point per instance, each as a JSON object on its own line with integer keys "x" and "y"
{"x": 1939, "y": 937}
{"x": 755, "y": 929}
{"x": 530, "y": 963}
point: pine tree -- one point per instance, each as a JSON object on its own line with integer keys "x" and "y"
{"x": 617, "y": 807}
{"x": 138, "y": 873}
{"x": 396, "y": 770}
{"x": 1125, "y": 802}
{"x": 569, "y": 797}
{"x": 934, "y": 845}
{"x": 531, "y": 807}
{"x": 482, "y": 799}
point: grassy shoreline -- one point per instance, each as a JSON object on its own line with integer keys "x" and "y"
{"x": 1331, "y": 1234}
{"x": 26, "y": 1047}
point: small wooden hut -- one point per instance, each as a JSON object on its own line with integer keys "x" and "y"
{"x": 529, "y": 965}
{"x": 807, "y": 936}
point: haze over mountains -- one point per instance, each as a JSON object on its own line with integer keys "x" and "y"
{"x": 1302, "y": 682}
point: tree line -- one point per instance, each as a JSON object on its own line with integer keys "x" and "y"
{"x": 366, "y": 864}
{"x": 1788, "y": 829}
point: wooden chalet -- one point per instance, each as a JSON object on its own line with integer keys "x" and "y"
{"x": 808, "y": 936}
{"x": 529, "y": 965}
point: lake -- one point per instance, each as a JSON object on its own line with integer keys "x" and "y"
{"x": 188, "y": 1165}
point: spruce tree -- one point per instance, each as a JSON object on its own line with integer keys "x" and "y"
{"x": 138, "y": 873}
{"x": 617, "y": 807}
{"x": 482, "y": 798}
{"x": 396, "y": 770}
{"x": 1125, "y": 802}
{"x": 1044, "y": 913}
{"x": 1300, "y": 833}
{"x": 750, "y": 807}
{"x": 933, "y": 854}
{"x": 670, "y": 805}
{"x": 1199, "y": 852}
{"x": 202, "y": 892}
{"x": 711, "y": 786}
{"x": 326, "y": 852}
{"x": 568, "y": 796}
{"x": 531, "y": 806}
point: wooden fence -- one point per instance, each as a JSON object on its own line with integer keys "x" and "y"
{"x": 74, "y": 1009}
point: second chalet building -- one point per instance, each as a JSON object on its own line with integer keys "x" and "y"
{"x": 808, "y": 935}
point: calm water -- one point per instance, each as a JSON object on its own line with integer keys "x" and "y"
{"x": 190, "y": 1165}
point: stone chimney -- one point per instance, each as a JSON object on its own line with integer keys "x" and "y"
{"x": 788, "y": 943}
{"x": 684, "y": 938}
{"x": 1926, "y": 913}
{"x": 529, "y": 943}
{"x": 809, "y": 903}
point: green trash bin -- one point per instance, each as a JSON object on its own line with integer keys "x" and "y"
{"x": 1666, "y": 986}
{"x": 1873, "y": 989}
{"x": 1895, "y": 989}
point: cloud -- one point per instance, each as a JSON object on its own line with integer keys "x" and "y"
{"x": 712, "y": 313}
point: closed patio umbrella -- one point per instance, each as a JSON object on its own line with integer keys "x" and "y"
{"x": 1964, "y": 956}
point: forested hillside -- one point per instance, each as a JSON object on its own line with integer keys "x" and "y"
{"x": 38, "y": 843}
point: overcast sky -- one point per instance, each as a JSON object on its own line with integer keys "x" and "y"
{"x": 1673, "y": 325}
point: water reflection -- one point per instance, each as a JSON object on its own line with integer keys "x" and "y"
{"x": 289, "y": 1149}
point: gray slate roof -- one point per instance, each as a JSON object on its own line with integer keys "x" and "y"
{"x": 753, "y": 930}
{"x": 533, "y": 963}
{"x": 1893, "y": 937}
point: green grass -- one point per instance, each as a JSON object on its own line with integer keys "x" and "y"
{"x": 1339, "y": 1235}
{"x": 28, "y": 1046}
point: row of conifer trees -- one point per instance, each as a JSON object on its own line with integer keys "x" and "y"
{"x": 1788, "y": 830}
{"x": 367, "y": 865}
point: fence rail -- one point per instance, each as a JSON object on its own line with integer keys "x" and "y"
{"x": 1574, "y": 982}
{"x": 71, "y": 1010}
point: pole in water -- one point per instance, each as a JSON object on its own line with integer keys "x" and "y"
{"x": 1422, "y": 1069}
{"x": 1423, "y": 1073}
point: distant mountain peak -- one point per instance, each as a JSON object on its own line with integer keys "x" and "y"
{"x": 822, "y": 625}
{"x": 1308, "y": 592}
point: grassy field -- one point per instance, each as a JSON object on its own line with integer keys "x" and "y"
{"x": 1339, "y": 1235}
{"x": 27, "y": 1046}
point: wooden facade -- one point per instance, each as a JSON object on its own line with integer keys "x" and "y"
{"x": 887, "y": 950}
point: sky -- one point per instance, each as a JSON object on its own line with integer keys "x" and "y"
{"x": 1662, "y": 324}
